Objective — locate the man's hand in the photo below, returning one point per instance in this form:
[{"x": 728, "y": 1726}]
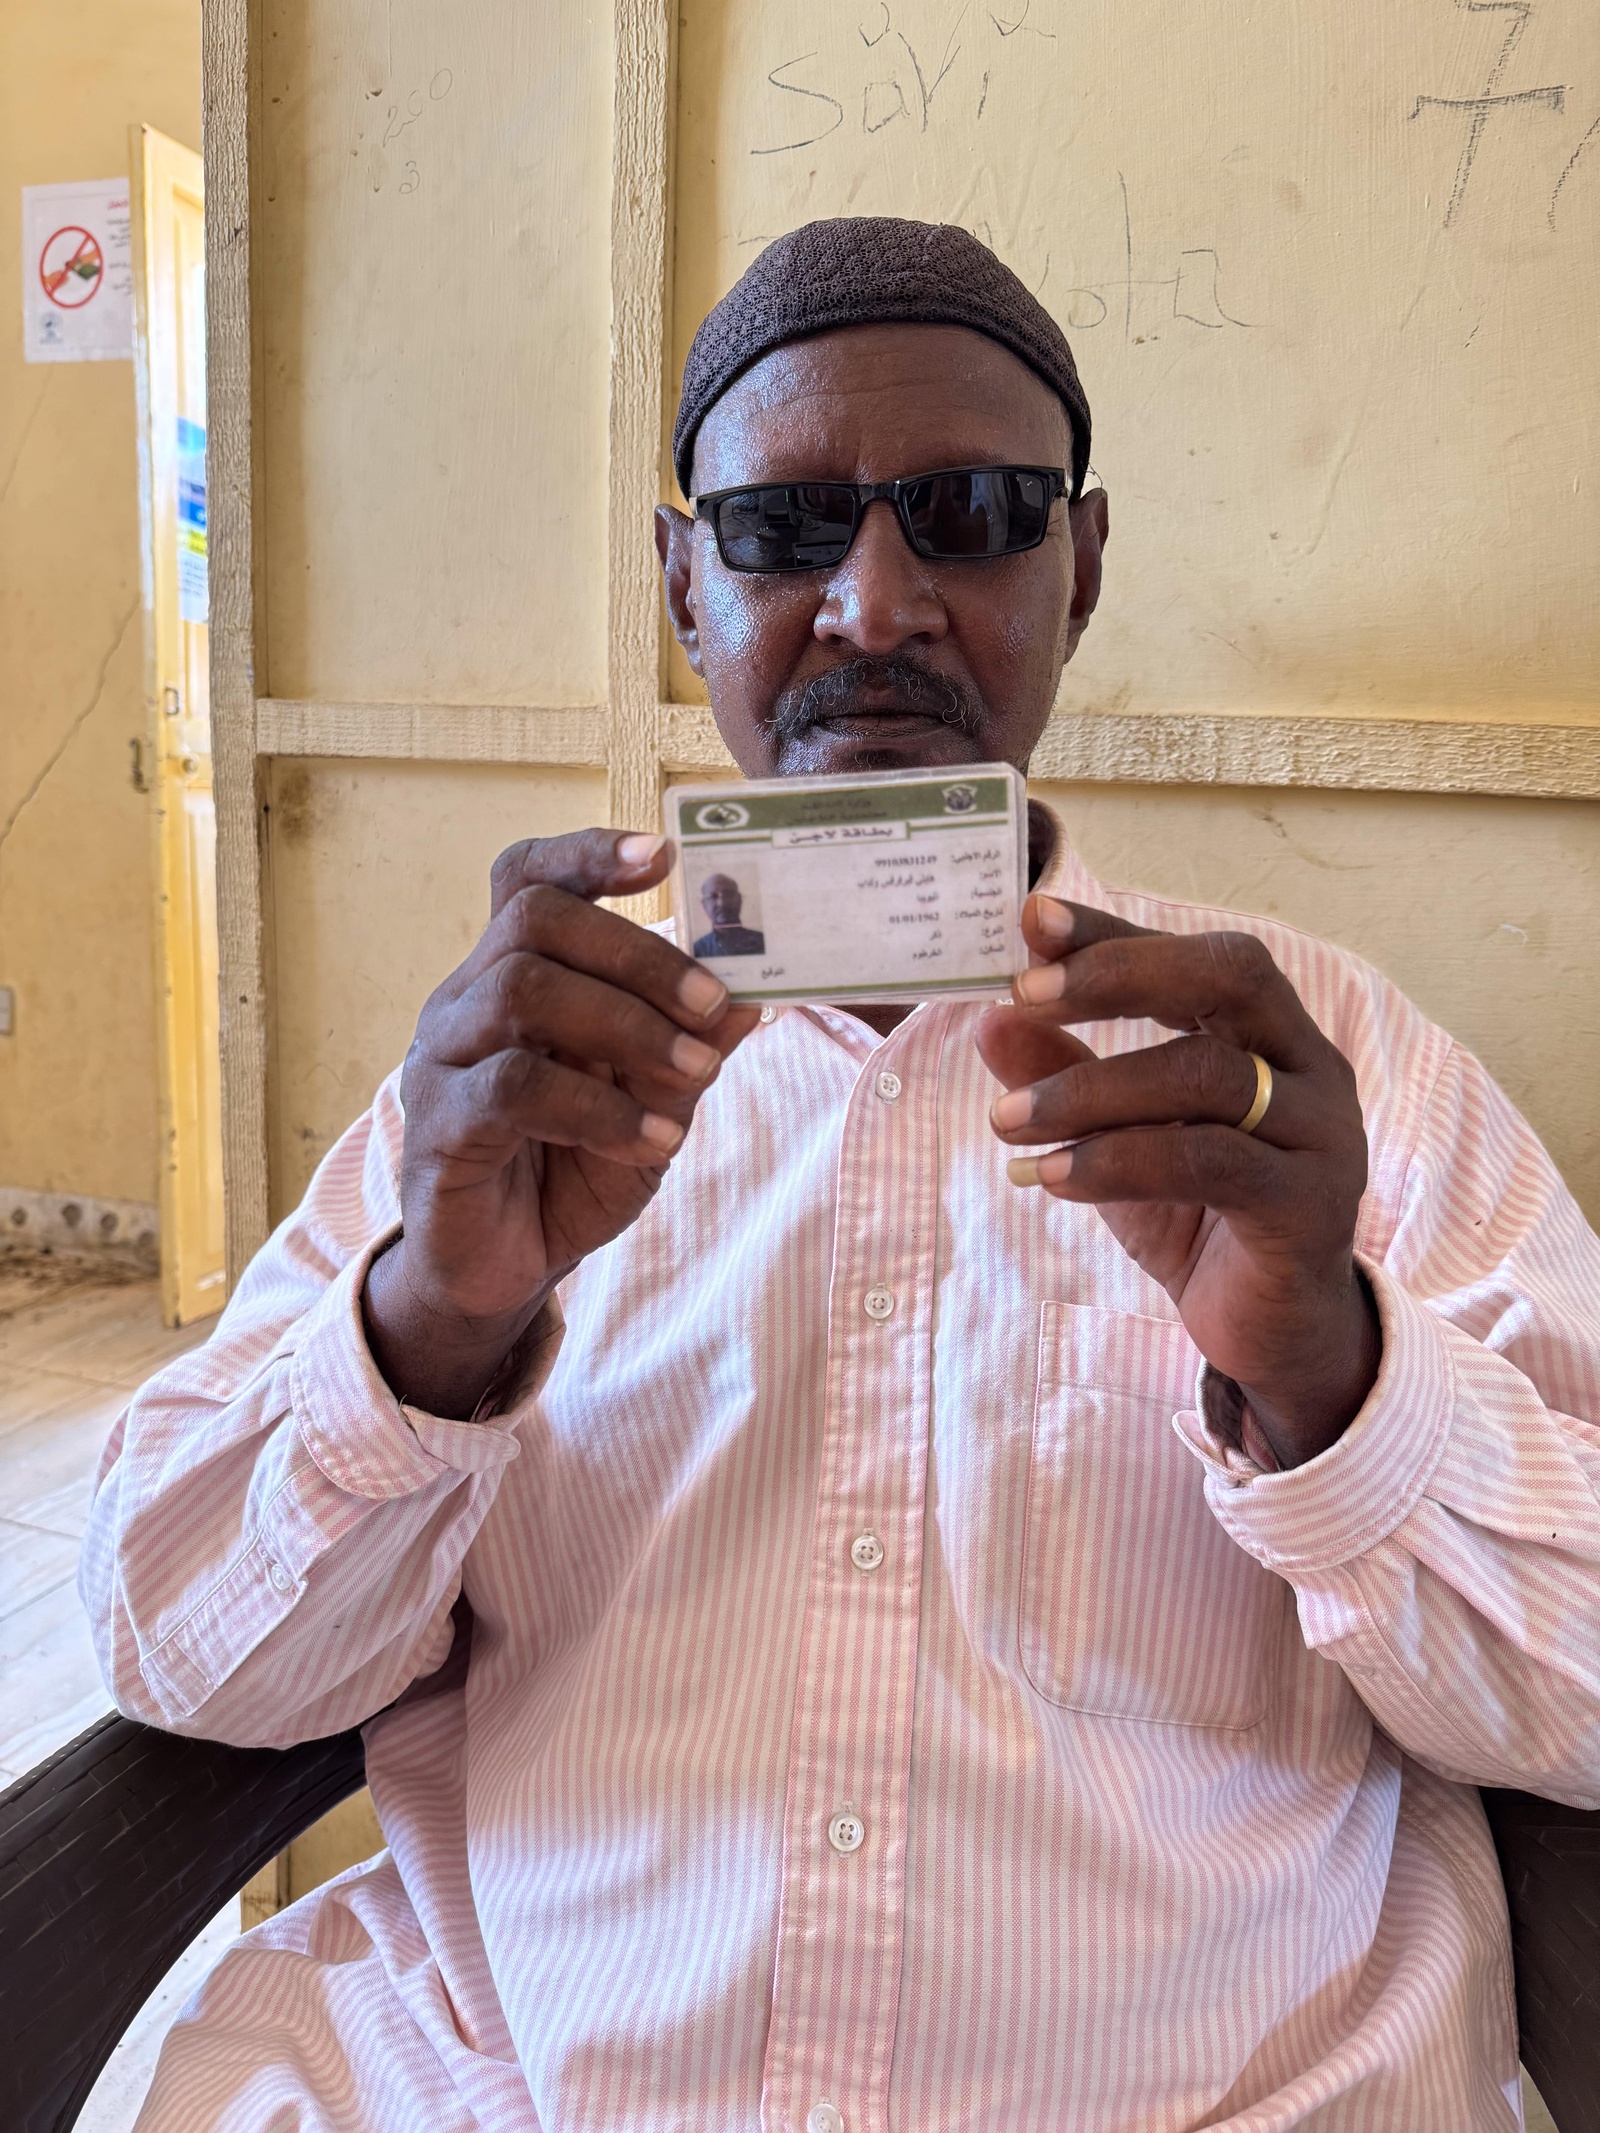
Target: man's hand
[
  {"x": 551, "y": 1079},
  {"x": 1250, "y": 1234}
]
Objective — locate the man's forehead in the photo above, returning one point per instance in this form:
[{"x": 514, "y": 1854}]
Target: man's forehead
[{"x": 838, "y": 402}]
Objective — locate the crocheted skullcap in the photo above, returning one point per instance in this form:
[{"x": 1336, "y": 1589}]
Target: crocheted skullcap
[{"x": 871, "y": 270}]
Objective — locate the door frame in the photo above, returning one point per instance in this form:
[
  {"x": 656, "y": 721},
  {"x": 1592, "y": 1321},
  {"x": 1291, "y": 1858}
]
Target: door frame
[{"x": 193, "y": 1276}]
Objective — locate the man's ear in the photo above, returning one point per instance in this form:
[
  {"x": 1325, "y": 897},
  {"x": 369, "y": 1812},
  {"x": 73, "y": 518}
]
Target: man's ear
[
  {"x": 1090, "y": 518},
  {"x": 675, "y": 546}
]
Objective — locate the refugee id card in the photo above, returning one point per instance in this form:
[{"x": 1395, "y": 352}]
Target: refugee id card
[{"x": 891, "y": 885}]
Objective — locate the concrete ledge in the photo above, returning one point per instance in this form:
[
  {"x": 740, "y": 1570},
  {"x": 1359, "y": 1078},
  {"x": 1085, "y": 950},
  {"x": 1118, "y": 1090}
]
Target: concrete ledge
[{"x": 78, "y": 1222}]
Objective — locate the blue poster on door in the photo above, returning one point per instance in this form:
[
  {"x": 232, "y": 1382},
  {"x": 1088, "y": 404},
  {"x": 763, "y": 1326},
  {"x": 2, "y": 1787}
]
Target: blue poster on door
[{"x": 193, "y": 592}]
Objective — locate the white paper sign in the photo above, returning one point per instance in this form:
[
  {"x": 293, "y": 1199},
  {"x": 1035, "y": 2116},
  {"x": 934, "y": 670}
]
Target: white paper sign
[
  {"x": 77, "y": 272},
  {"x": 894, "y": 885}
]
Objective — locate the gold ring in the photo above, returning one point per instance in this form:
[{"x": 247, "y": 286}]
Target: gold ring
[{"x": 1263, "y": 1096}]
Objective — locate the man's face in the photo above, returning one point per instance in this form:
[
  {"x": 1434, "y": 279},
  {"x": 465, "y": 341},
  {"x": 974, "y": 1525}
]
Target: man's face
[
  {"x": 722, "y": 900},
  {"x": 886, "y": 659}
]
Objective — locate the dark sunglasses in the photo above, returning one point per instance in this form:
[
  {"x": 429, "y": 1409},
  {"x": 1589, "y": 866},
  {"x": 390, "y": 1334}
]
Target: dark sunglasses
[{"x": 952, "y": 516}]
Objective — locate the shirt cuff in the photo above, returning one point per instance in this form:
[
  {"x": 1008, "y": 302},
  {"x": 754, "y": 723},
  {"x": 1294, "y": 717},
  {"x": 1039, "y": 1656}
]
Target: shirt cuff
[
  {"x": 1355, "y": 1494},
  {"x": 360, "y": 1436}
]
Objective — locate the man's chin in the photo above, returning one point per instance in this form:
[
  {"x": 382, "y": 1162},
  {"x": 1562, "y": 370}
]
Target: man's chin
[{"x": 890, "y": 740}]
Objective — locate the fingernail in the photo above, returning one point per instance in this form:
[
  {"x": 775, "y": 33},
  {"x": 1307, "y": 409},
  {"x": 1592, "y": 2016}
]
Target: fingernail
[
  {"x": 1054, "y": 919},
  {"x": 662, "y": 1133},
  {"x": 1047, "y": 982},
  {"x": 701, "y": 993},
  {"x": 637, "y": 851},
  {"x": 1051, "y": 1169},
  {"x": 1015, "y": 1108},
  {"x": 696, "y": 1060}
]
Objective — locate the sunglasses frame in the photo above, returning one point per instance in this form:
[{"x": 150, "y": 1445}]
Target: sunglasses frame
[{"x": 869, "y": 492}]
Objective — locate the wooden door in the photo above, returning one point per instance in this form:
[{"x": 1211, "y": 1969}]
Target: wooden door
[{"x": 168, "y": 197}]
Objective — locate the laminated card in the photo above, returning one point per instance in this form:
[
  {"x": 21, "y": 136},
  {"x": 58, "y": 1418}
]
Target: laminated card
[{"x": 893, "y": 885}]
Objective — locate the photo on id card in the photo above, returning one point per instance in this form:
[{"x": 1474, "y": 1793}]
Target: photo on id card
[{"x": 887, "y": 886}]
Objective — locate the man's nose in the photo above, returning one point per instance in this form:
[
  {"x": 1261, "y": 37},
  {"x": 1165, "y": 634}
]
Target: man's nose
[{"x": 882, "y": 595}]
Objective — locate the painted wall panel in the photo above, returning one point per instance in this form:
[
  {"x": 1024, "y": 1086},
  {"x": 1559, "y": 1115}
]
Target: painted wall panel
[
  {"x": 432, "y": 198},
  {"x": 1338, "y": 336},
  {"x": 379, "y": 885}
]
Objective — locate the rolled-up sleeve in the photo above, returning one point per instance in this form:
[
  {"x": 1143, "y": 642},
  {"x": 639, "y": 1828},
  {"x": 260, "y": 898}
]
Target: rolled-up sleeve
[
  {"x": 276, "y": 1540},
  {"x": 1446, "y": 1550}
]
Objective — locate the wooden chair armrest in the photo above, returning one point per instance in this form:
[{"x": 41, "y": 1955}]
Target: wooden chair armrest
[
  {"x": 1550, "y": 1860},
  {"x": 113, "y": 1855}
]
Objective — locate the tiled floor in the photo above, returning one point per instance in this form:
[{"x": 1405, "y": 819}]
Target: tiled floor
[
  {"x": 73, "y": 1345},
  {"x": 72, "y": 1349}
]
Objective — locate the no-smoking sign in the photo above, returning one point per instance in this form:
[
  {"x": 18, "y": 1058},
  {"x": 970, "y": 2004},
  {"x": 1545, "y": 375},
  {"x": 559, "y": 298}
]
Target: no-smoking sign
[
  {"x": 77, "y": 273},
  {"x": 71, "y": 266}
]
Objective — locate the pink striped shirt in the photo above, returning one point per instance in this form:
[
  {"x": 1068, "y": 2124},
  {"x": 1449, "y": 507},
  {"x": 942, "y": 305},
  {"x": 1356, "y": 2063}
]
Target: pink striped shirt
[{"x": 891, "y": 1702}]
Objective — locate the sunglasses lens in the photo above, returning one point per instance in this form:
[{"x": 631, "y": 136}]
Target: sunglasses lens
[
  {"x": 982, "y": 511},
  {"x": 799, "y": 526}
]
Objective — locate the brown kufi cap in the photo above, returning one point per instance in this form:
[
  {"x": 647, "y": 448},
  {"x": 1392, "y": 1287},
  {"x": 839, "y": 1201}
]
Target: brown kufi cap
[{"x": 871, "y": 270}]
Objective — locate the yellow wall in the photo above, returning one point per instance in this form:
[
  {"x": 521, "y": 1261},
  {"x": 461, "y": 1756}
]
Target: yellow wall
[
  {"x": 433, "y": 306},
  {"x": 431, "y": 232},
  {"x": 78, "y": 1078}
]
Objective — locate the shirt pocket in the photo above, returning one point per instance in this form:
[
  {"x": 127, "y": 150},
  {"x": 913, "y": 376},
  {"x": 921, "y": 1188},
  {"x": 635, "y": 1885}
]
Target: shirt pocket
[{"x": 1135, "y": 1604}]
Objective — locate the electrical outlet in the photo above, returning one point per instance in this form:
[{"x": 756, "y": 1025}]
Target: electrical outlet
[{"x": 8, "y": 1010}]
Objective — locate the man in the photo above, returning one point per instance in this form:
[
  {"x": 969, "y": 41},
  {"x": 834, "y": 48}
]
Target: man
[
  {"x": 724, "y": 906},
  {"x": 944, "y": 1651}
]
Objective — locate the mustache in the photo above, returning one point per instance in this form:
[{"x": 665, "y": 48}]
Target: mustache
[{"x": 916, "y": 689}]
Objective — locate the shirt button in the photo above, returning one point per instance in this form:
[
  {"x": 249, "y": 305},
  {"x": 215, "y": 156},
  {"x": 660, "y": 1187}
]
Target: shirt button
[
  {"x": 878, "y": 1303},
  {"x": 889, "y": 1086},
  {"x": 824, "y": 2118},
  {"x": 278, "y": 1578},
  {"x": 846, "y": 1831},
  {"x": 866, "y": 1551},
  {"x": 768, "y": 1014}
]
